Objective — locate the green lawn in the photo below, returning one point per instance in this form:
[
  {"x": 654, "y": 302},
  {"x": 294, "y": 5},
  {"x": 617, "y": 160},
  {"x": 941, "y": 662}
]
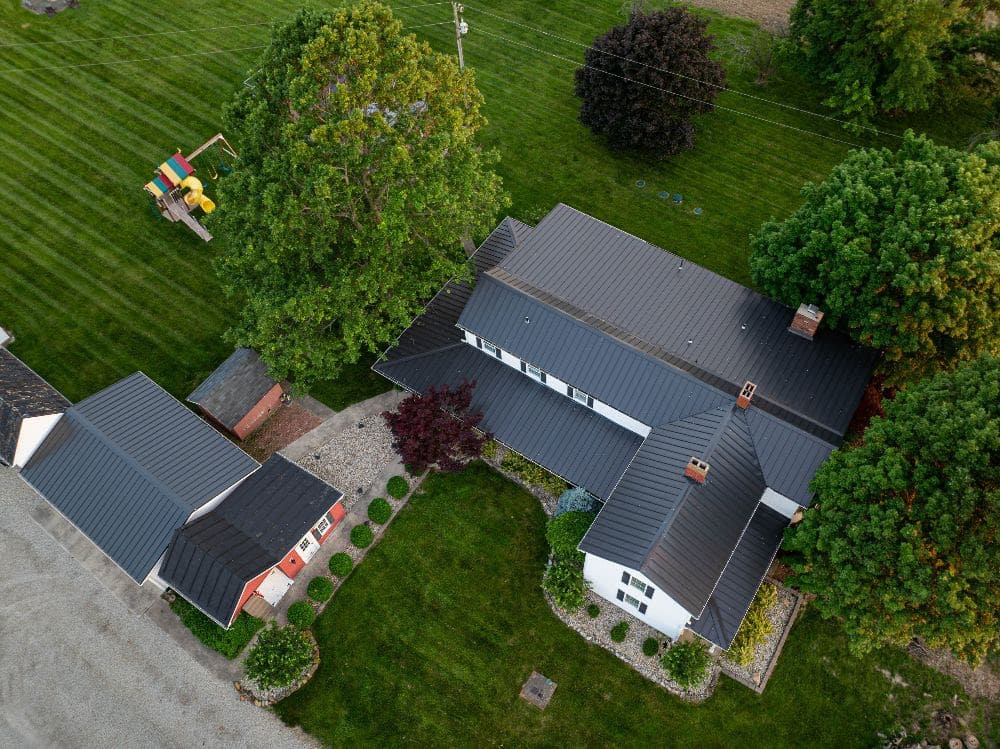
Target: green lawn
[
  {"x": 429, "y": 641},
  {"x": 95, "y": 287}
]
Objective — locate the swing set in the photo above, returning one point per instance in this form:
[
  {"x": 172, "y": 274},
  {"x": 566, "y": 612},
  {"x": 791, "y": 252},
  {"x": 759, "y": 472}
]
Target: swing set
[{"x": 177, "y": 193}]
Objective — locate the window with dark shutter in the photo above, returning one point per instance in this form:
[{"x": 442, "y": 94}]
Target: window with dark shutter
[
  {"x": 524, "y": 366},
  {"x": 569, "y": 390},
  {"x": 649, "y": 591},
  {"x": 543, "y": 377},
  {"x": 642, "y": 608},
  {"x": 621, "y": 595},
  {"x": 497, "y": 352},
  {"x": 316, "y": 534},
  {"x": 590, "y": 402},
  {"x": 479, "y": 342},
  {"x": 626, "y": 577}
]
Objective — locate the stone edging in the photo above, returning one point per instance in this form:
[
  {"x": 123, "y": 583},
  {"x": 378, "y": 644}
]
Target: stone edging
[{"x": 250, "y": 692}]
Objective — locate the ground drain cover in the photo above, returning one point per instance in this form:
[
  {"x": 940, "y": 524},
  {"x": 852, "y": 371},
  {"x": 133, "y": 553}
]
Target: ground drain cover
[{"x": 538, "y": 690}]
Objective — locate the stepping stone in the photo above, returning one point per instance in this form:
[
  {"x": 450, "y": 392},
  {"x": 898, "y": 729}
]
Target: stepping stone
[{"x": 538, "y": 690}]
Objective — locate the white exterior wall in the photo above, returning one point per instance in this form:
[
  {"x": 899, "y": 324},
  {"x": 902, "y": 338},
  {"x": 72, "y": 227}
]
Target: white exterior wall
[
  {"x": 612, "y": 414},
  {"x": 779, "y": 502},
  {"x": 33, "y": 431},
  {"x": 663, "y": 613}
]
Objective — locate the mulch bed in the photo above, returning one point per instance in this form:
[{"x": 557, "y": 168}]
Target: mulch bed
[{"x": 289, "y": 422}]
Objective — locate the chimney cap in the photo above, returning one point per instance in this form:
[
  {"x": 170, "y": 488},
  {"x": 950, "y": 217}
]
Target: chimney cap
[
  {"x": 806, "y": 321},
  {"x": 696, "y": 470}
]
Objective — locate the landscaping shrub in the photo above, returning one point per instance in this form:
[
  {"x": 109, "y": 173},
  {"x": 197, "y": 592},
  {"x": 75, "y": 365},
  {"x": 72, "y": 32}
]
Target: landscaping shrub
[
  {"x": 362, "y": 536},
  {"x": 755, "y": 627},
  {"x": 301, "y": 614},
  {"x": 397, "y": 487},
  {"x": 379, "y": 511},
  {"x": 565, "y": 532},
  {"x": 230, "y": 642},
  {"x": 650, "y": 646},
  {"x": 533, "y": 474},
  {"x": 564, "y": 582},
  {"x": 687, "y": 663},
  {"x": 436, "y": 428},
  {"x": 593, "y": 611},
  {"x": 619, "y": 631},
  {"x": 320, "y": 589},
  {"x": 575, "y": 500},
  {"x": 341, "y": 564},
  {"x": 490, "y": 449},
  {"x": 280, "y": 656}
]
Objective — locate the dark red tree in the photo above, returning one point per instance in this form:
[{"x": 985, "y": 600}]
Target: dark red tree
[
  {"x": 437, "y": 427},
  {"x": 644, "y": 81}
]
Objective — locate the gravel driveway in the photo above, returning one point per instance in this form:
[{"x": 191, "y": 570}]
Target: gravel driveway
[{"x": 78, "y": 670}]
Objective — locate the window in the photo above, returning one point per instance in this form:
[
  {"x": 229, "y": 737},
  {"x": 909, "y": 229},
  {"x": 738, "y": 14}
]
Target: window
[
  {"x": 304, "y": 544},
  {"x": 579, "y": 396},
  {"x": 634, "y": 602},
  {"x": 638, "y": 585}
]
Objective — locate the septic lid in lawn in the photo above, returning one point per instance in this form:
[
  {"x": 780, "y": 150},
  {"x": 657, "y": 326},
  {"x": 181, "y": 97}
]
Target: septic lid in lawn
[{"x": 538, "y": 690}]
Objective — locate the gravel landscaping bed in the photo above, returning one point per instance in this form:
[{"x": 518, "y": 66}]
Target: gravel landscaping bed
[
  {"x": 353, "y": 458},
  {"x": 598, "y": 631},
  {"x": 549, "y": 502},
  {"x": 781, "y": 616}
]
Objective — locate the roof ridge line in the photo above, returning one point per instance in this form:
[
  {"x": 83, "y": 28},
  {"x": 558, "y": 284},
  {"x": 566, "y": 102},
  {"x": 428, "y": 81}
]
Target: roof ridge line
[{"x": 417, "y": 355}]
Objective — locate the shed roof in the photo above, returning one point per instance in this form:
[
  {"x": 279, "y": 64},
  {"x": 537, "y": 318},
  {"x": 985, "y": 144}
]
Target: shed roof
[
  {"x": 212, "y": 558},
  {"x": 129, "y": 465},
  {"x": 234, "y": 388},
  {"x": 23, "y": 395}
]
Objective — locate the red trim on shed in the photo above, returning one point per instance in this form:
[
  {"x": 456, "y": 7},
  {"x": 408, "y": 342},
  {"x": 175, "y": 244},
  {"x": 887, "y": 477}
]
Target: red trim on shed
[
  {"x": 337, "y": 513},
  {"x": 292, "y": 564}
]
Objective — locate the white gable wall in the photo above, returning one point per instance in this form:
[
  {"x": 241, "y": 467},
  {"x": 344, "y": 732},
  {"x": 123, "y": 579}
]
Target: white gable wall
[
  {"x": 33, "y": 431},
  {"x": 779, "y": 502},
  {"x": 663, "y": 613}
]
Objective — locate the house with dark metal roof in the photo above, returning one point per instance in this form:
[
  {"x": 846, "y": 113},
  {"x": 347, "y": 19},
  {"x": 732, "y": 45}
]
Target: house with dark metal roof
[
  {"x": 246, "y": 551},
  {"x": 239, "y": 395},
  {"x": 695, "y": 408},
  {"x": 29, "y": 409}
]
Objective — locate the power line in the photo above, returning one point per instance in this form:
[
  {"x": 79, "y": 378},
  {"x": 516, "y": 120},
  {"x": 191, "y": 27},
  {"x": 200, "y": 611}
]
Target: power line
[
  {"x": 682, "y": 75},
  {"x": 674, "y": 93}
]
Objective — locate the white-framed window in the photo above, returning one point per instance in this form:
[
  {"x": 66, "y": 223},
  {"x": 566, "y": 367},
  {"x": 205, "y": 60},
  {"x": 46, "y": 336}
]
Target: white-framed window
[
  {"x": 638, "y": 585},
  {"x": 322, "y": 525},
  {"x": 534, "y": 371},
  {"x": 488, "y": 347},
  {"x": 304, "y": 544},
  {"x": 579, "y": 396},
  {"x": 631, "y": 601}
]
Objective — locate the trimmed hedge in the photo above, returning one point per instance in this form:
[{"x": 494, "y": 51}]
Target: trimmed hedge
[
  {"x": 619, "y": 631},
  {"x": 320, "y": 589},
  {"x": 593, "y": 611},
  {"x": 341, "y": 564},
  {"x": 379, "y": 511},
  {"x": 279, "y": 657},
  {"x": 650, "y": 646},
  {"x": 687, "y": 663},
  {"x": 301, "y": 614},
  {"x": 565, "y": 532},
  {"x": 533, "y": 474},
  {"x": 564, "y": 582},
  {"x": 230, "y": 642},
  {"x": 362, "y": 536},
  {"x": 397, "y": 487}
]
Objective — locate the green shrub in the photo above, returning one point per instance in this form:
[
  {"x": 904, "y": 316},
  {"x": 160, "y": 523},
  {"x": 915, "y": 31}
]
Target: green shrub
[
  {"x": 341, "y": 564},
  {"x": 575, "y": 500},
  {"x": 230, "y": 642},
  {"x": 755, "y": 627},
  {"x": 687, "y": 663},
  {"x": 619, "y": 631},
  {"x": 279, "y": 657},
  {"x": 490, "y": 449},
  {"x": 362, "y": 536},
  {"x": 320, "y": 589},
  {"x": 397, "y": 487},
  {"x": 379, "y": 511},
  {"x": 301, "y": 614},
  {"x": 650, "y": 646},
  {"x": 593, "y": 611},
  {"x": 533, "y": 474},
  {"x": 564, "y": 582},
  {"x": 565, "y": 532}
]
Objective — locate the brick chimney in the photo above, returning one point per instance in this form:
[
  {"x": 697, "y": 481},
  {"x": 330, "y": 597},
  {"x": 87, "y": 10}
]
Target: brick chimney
[
  {"x": 806, "y": 321},
  {"x": 746, "y": 394},
  {"x": 696, "y": 470}
]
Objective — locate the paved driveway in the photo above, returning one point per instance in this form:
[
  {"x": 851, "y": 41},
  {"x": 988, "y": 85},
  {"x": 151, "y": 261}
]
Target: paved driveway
[{"x": 77, "y": 669}]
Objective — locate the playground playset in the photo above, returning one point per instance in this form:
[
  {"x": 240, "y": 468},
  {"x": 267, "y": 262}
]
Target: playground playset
[{"x": 177, "y": 193}]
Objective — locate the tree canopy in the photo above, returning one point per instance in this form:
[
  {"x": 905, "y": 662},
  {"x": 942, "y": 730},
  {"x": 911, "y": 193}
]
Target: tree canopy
[
  {"x": 894, "y": 54},
  {"x": 902, "y": 540},
  {"x": 642, "y": 83},
  {"x": 901, "y": 248},
  {"x": 359, "y": 176}
]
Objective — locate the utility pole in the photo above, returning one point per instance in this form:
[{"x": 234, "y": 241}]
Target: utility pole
[{"x": 461, "y": 29}]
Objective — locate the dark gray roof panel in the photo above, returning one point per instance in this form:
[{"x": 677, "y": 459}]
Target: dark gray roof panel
[
  {"x": 234, "y": 388},
  {"x": 663, "y": 300},
  {"x": 613, "y": 372},
  {"x": 23, "y": 395},
  {"x": 213, "y": 557},
  {"x": 545, "y": 426},
  {"x": 129, "y": 465},
  {"x": 436, "y": 326},
  {"x": 788, "y": 456},
  {"x": 738, "y": 585}
]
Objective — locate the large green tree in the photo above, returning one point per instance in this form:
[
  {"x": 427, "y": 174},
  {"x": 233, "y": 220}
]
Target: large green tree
[
  {"x": 902, "y": 540},
  {"x": 901, "y": 248},
  {"x": 359, "y": 176},
  {"x": 883, "y": 55}
]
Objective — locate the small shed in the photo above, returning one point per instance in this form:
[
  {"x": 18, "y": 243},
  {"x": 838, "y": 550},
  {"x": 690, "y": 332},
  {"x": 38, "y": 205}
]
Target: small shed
[{"x": 239, "y": 395}]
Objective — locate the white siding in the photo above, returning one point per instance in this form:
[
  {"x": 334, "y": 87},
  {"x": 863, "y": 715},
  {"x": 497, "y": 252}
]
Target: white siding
[
  {"x": 33, "y": 431},
  {"x": 663, "y": 613},
  {"x": 612, "y": 414},
  {"x": 779, "y": 502}
]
